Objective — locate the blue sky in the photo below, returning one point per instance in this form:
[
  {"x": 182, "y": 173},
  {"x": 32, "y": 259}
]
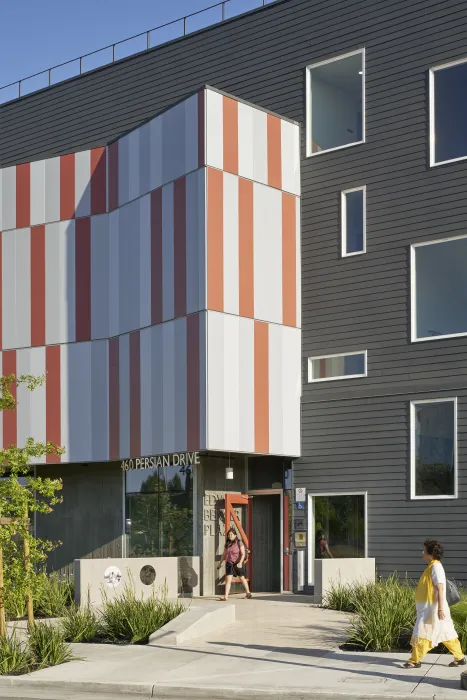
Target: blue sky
[{"x": 37, "y": 34}]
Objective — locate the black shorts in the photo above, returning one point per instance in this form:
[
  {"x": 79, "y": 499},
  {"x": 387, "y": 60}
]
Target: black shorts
[{"x": 233, "y": 570}]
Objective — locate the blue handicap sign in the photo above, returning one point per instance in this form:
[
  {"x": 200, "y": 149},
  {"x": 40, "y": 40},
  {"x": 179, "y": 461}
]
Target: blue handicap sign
[{"x": 300, "y": 506}]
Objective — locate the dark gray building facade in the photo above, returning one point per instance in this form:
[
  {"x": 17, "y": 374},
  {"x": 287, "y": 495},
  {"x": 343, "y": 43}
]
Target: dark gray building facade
[{"x": 384, "y": 317}]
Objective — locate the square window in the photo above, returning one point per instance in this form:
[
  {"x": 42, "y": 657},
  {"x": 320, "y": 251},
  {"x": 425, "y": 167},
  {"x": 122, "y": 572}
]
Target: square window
[
  {"x": 347, "y": 366},
  {"x": 448, "y": 113},
  {"x": 353, "y": 204},
  {"x": 439, "y": 289},
  {"x": 434, "y": 449},
  {"x": 335, "y": 103}
]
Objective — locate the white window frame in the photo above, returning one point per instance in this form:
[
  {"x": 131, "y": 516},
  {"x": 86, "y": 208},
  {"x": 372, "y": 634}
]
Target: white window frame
[
  {"x": 362, "y": 188},
  {"x": 413, "y": 496},
  {"x": 413, "y": 292},
  {"x": 309, "y": 139},
  {"x": 311, "y": 526},
  {"x": 435, "y": 69},
  {"x": 312, "y": 380}
]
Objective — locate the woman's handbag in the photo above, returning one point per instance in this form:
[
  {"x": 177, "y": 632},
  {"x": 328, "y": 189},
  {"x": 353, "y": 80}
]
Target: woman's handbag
[{"x": 452, "y": 593}]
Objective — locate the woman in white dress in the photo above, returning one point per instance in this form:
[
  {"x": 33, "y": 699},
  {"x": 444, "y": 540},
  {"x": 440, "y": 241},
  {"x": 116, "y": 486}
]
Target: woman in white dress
[{"x": 434, "y": 624}]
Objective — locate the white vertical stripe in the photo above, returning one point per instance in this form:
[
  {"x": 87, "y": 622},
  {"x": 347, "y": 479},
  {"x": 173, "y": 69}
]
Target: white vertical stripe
[
  {"x": 23, "y": 287},
  {"x": 157, "y": 388},
  {"x": 195, "y": 235},
  {"x": 100, "y": 279},
  {"x": 276, "y": 398},
  {"x": 214, "y": 130},
  {"x": 83, "y": 183},
  {"x": 146, "y": 392},
  {"x": 168, "y": 387},
  {"x": 9, "y": 198},
  {"x": 114, "y": 226},
  {"x": 38, "y": 192},
  {"x": 291, "y": 389},
  {"x": 216, "y": 380},
  {"x": 52, "y": 190},
  {"x": 180, "y": 418},
  {"x": 123, "y": 170},
  {"x": 231, "y": 383},
  {"x": 191, "y": 133},
  {"x": 23, "y": 396},
  {"x": 231, "y": 251},
  {"x": 9, "y": 289},
  {"x": 99, "y": 400},
  {"x": 268, "y": 253},
  {"x": 298, "y": 266},
  {"x": 155, "y": 150},
  {"x": 247, "y": 385},
  {"x": 37, "y": 368},
  {"x": 68, "y": 281},
  {"x": 245, "y": 141},
  {"x": 145, "y": 261},
  {"x": 124, "y": 374},
  {"x": 65, "y": 370},
  {"x": 290, "y": 157},
  {"x": 60, "y": 293},
  {"x": 203, "y": 405},
  {"x": 260, "y": 146},
  {"x": 80, "y": 402},
  {"x": 133, "y": 164},
  {"x": 168, "y": 252}
]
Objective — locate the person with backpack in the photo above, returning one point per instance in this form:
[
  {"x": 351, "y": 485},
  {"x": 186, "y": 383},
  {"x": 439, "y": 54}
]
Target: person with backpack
[
  {"x": 434, "y": 624},
  {"x": 234, "y": 557}
]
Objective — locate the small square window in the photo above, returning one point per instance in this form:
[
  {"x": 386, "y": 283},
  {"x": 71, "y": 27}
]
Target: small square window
[
  {"x": 434, "y": 449},
  {"x": 336, "y": 103},
  {"x": 353, "y": 205},
  {"x": 448, "y": 113},
  {"x": 347, "y": 366}
]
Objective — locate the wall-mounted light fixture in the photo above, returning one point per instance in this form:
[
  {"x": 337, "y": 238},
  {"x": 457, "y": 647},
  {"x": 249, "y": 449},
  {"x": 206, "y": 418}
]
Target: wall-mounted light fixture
[{"x": 229, "y": 471}]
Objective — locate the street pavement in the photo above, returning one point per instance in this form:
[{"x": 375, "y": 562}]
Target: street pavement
[{"x": 280, "y": 647}]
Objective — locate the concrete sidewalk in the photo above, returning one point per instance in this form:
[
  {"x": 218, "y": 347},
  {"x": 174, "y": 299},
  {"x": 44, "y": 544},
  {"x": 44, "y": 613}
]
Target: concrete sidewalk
[{"x": 279, "y": 648}]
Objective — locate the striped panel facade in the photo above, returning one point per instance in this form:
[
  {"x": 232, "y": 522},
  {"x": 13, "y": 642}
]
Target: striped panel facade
[{"x": 135, "y": 276}]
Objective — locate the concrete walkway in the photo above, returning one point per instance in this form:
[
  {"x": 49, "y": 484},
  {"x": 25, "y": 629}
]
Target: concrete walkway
[{"x": 280, "y": 647}]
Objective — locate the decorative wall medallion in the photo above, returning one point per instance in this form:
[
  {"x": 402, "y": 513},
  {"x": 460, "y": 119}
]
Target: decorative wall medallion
[
  {"x": 112, "y": 576},
  {"x": 147, "y": 575}
]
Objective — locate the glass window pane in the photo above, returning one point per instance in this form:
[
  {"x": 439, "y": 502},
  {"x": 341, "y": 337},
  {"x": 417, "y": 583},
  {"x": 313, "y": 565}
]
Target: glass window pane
[
  {"x": 143, "y": 527},
  {"x": 336, "y": 103},
  {"x": 176, "y": 478},
  {"x": 450, "y": 108},
  {"x": 176, "y": 523},
  {"x": 339, "y": 526},
  {"x": 336, "y": 367},
  {"x": 354, "y": 222},
  {"x": 434, "y": 449},
  {"x": 142, "y": 480},
  {"x": 441, "y": 288}
]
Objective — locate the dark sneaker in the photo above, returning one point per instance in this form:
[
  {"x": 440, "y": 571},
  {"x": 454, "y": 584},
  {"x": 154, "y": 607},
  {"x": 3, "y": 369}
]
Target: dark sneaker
[{"x": 462, "y": 662}]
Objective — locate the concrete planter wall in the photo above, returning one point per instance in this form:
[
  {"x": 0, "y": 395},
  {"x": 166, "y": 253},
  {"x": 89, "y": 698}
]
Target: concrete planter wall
[
  {"x": 344, "y": 571},
  {"x": 180, "y": 575}
]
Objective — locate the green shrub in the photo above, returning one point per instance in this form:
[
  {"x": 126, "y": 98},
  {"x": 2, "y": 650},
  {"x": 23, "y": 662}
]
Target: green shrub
[
  {"x": 54, "y": 597},
  {"x": 129, "y": 619},
  {"x": 81, "y": 624},
  {"x": 15, "y": 604},
  {"x": 48, "y": 646},
  {"x": 15, "y": 657},
  {"x": 344, "y": 596}
]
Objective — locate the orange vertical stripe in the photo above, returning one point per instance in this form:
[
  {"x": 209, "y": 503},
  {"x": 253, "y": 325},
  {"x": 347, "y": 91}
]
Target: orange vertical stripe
[
  {"x": 230, "y": 128},
  {"x": 23, "y": 195},
  {"x": 289, "y": 260},
  {"x": 274, "y": 152},
  {"x": 215, "y": 240},
  {"x": 53, "y": 422},
  {"x": 246, "y": 250},
  {"x": 38, "y": 285},
  {"x": 10, "y": 431},
  {"x": 67, "y": 187},
  {"x": 98, "y": 181},
  {"x": 261, "y": 386}
]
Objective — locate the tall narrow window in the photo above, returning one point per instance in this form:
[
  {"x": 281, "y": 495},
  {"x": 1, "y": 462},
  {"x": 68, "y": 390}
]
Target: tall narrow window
[
  {"x": 335, "y": 94},
  {"x": 448, "y": 112},
  {"x": 353, "y": 205},
  {"x": 434, "y": 449}
]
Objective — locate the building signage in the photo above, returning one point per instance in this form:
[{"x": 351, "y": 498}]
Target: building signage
[
  {"x": 300, "y": 539},
  {"x": 300, "y": 495},
  {"x": 177, "y": 459}
]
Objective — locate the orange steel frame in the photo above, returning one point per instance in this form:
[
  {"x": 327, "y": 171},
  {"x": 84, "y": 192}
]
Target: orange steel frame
[{"x": 238, "y": 499}]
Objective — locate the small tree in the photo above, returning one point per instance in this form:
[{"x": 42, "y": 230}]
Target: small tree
[{"x": 22, "y": 493}]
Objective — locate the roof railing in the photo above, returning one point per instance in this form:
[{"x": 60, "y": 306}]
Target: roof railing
[{"x": 169, "y": 31}]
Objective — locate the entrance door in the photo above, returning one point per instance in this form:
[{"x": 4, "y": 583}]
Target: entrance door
[{"x": 266, "y": 543}]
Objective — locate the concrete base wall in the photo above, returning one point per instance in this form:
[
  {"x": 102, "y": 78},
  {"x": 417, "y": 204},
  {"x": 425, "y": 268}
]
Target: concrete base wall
[
  {"x": 344, "y": 571},
  {"x": 94, "y": 577}
]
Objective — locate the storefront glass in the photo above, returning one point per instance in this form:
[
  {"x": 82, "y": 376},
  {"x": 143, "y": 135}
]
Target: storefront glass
[
  {"x": 339, "y": 526},
  {"x": 159, "y": 512}
]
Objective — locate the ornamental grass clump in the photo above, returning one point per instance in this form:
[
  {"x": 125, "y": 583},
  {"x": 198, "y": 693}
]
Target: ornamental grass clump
[
  {"x": 131, "y": 619},
  {"x": 81, "y": 625},
  {"x": 15, "y": 656},
  {"x": 47, "y": 646},
  {"x": 55, "y": 596}
]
